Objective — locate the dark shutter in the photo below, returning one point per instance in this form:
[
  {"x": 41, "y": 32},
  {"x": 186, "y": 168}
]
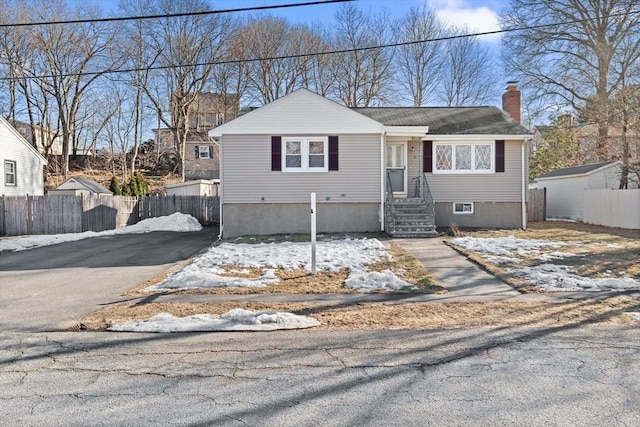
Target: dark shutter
[
  {"x": 333, "y": 153},
  {"x": 500, "y": 156},
  {"x": 276, "y": 153},
  {"x": 197, "y": 152},
  {"x": 211, "y": 151},
  {"x": 427, "y": 156}
]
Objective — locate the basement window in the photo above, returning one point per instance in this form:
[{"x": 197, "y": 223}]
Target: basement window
[{"x": 463, "y": 208}]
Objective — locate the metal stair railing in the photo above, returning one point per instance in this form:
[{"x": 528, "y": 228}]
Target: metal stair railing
[{"x": 391, "y": 218}]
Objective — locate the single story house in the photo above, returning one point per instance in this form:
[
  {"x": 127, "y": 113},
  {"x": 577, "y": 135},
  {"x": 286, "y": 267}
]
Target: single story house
[
  {"x": 400, "y": 170},
  {"x": 565, "y": 187},
  {"x": 21, "y": 165},
  {"x": 80, "y": 186},
  {"x": 198, "y": 187}
]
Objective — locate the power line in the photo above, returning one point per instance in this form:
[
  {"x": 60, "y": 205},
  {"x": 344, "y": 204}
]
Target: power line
[
  {"x": 172, "y": 15},
  {"x": 320, "y": 53}
]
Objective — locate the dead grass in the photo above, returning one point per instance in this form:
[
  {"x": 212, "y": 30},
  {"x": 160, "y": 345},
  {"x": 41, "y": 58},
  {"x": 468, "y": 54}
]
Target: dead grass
[
  {"x": 401, "y": 316},
  {"x": 604, "y": 252}
]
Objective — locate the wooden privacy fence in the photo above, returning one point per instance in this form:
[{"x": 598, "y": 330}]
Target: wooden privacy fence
[
  {"x": 20, "y": 215},
  {"x": 537, "y": 205}
]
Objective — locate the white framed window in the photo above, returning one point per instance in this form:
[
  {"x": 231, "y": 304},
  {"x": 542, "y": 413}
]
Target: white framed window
[
  {"x": 463, "y": 208},
  {"x": 10, "y": 173},
  {"x": 468, "y": 157},
  {"x": 203, "y": 152},
  {"x": 305, "y": 154}
]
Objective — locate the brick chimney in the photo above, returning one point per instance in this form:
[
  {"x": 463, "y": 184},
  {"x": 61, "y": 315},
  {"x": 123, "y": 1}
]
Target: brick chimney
[{"x": 511, "y": 101}]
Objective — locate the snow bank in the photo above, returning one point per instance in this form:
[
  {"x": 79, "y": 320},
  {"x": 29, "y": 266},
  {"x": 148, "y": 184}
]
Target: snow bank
[
  {"x": 176, "y": 222},
  {"x": 376, "y": 281},
  {"x": 233, "y": 320}
]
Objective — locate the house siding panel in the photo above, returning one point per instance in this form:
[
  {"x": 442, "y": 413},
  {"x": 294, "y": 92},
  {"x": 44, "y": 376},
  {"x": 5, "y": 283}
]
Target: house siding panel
[
  {"x": 248, "y": 178},
  {"x": 494, "y": 187},
  {"x": 29, "y": 165}
]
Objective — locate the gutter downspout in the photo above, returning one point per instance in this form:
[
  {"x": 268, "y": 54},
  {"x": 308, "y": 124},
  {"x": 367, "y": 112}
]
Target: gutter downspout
[
  {"x": 382, "y": 183},
  {"x": 524, "y": 190}
]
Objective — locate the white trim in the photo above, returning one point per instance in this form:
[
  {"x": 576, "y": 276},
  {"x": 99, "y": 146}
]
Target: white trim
[
  {"x": 463, "y": 212},
  {"x": 419, "y": 131},
  {"x": 383, "y": 178},
  {"x": 475, "y": 137},
  {"x": 524, "y": 190},
  {"x": 22, "y": 139},
  {"x": 207, "y": 152},
  {"x": 15, "y": 173}
]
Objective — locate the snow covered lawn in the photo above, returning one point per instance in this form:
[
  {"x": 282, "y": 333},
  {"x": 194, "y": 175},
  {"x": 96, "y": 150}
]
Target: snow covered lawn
[
  {"x": 242, "y": 265},
  {"x": 584, "y": 262}
]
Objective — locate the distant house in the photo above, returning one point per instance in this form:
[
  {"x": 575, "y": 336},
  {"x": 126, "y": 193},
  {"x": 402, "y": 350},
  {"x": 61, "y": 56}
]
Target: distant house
[
  {"x": 80, "y": 186},
  {"x": 21, "y": 165},
  {"x": 201, "y": 153},
  {"x": 47, "y": 141},
  {"x": 399, "y": 170},
  {"x": 565, "y": 187}
]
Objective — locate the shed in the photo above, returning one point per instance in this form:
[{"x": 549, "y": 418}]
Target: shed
[
  {"x": 565, "y": 187},
  {"x": 198, "y": 187},
  {"x": 79, "y": 186}
]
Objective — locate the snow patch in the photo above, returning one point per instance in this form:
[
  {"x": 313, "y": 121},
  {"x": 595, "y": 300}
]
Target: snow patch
[
  {"x": 233, "y": 320},
  {"x": 505, "y": 245},
  {"x": 376, "y": 281},
  {"x": 562, "y": 278}
]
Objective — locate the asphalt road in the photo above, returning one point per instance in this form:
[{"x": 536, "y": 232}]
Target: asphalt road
[
  {"x": 52, "y": 287},
  {"x": 566, "y": 376}
]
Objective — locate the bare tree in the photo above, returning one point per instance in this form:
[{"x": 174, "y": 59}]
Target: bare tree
[
  {"x": 273, "y": 38},
  {"x": 361, "y": 77},
  {"x": 187, "y": 49},
  {"x": 419, "y": 65},
  {"x": 573, "y": 49},
  {"x": 65, "y": 55},
  {"x": 466, "y": 79}
]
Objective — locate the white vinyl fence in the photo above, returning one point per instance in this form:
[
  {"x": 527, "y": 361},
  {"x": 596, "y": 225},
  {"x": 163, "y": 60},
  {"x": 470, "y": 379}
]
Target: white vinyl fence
[{"x": 613, "y": 208}]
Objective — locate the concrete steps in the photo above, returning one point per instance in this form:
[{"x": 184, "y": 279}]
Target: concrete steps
[{"x": 412, "y": 218}]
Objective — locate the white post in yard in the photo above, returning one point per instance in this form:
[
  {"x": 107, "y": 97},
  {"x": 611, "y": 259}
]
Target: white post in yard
[{"x": 313, "y": 233}]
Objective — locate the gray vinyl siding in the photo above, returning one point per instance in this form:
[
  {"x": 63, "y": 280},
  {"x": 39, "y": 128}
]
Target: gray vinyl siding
[
  {"x": 495, "y": 187},
  {"x": 247, "y": 176}
]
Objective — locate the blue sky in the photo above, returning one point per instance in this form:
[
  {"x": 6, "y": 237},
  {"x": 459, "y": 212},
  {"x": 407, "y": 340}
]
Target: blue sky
[{"x": 480, "y": 15}]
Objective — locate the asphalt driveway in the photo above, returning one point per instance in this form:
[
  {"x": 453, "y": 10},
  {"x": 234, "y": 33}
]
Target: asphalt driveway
[{"x": 52, "y": 287}]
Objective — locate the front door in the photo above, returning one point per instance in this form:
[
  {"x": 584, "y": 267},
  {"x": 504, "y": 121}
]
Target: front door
[{"x": 397, "y": 167}]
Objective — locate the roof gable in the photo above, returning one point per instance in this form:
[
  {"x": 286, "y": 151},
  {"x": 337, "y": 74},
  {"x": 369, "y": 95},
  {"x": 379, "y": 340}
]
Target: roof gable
[
  {"x": 448, "y": 120},
  {"x": 578, "y": 170},
  {"x": 300, "y": 112},
  {"x": 83, "y": 184},
  {"x": 21, "y": 139}
]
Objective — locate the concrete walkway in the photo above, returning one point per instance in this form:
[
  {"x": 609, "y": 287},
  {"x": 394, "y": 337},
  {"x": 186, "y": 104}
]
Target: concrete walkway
[{"x": 464, "y": 281}]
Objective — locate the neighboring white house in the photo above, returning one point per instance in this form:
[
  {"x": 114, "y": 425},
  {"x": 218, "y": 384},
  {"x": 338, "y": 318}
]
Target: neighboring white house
[
  {"x": 21, "y": 165},
  {"x": 199, "y": 187},
  {"x": 369, "y": 168},
  {"x": 565, "y": 187},
  {"x": 79, "y": 186}
]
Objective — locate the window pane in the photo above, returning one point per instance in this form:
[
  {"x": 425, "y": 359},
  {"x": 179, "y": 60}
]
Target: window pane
[
  {"x": 293, "y": 161},
  {"x": 316, "y": 161},
  {"x": 443, "y": 157},
  {"x": 293, "y": 147},
  {"x": 483, "y": 157},
  {"x": 463, "y": 157},
  {"x": 316, "y": 147}
]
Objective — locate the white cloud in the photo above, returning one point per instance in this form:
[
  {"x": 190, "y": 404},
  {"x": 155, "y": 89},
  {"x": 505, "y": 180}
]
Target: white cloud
[{"x": 460, "y": 14}]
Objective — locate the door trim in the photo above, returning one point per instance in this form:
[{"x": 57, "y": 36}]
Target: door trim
[{"x": 405, "y": 167}]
